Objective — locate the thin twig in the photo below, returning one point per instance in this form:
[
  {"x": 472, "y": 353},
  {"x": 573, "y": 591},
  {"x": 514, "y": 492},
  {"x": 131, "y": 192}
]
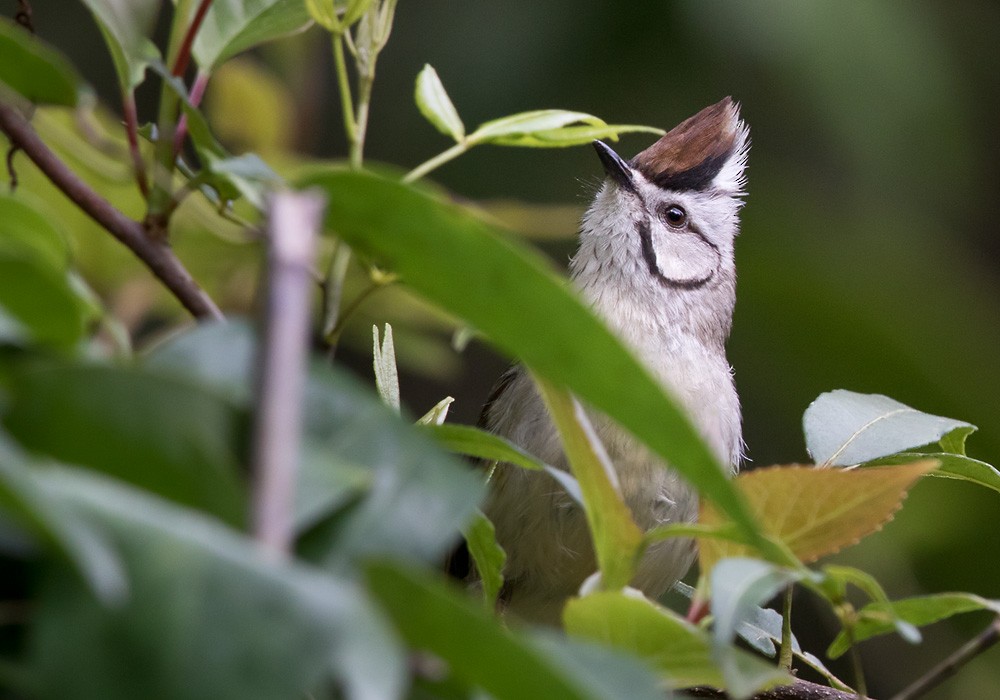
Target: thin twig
[
  {"x": 293, "y": 227},
  {"x": 951, "y": 665},
  {"x": 11, "y": 170},
  {"x": 157, "y": 256},
  {"x": 184, "y": 54},
  {"x": 198, "y": 88},
  {"x": 131, "y": 118}
]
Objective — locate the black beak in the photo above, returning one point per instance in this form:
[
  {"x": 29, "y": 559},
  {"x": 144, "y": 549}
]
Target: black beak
[{"x": 617, "y": 169}]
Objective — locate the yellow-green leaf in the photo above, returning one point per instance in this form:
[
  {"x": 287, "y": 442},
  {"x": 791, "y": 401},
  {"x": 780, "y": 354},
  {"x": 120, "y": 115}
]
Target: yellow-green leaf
[
  {"x": 815, "y": 511},
  {"x": 433, "y": 102},
  {"x": 616, "y": 536}
]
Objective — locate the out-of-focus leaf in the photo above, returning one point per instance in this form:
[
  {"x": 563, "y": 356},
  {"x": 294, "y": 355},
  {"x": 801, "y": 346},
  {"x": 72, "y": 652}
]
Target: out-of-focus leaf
[
  {"x": 843, "y": 427},
  {"x": 337, "y": 15},
  {"x": 567, "y": 136},
  {"x": 837, "y": 578},
  {"x": 386, "y": 376},
  {"x": 952, "y": 466},
  {"x": 24, "y": 229},
  {"x": 126, "y": 26},
  {"x": 477, "y": 649},
  {"x": 880, "y": 618},
  {"x": 167, "y": 436},
  {"x": 233, "y": 26},
  {"x": 615, "y": 535},
  {"x": 434, "y": 103},
  {"x": 36, "y": 71},
  {"x": 453, "y": 259},
  {"x": 488, "y": 555},
  {"x": 815, "y": 511},
  {"x": 27, "y": 502},
  {"x": 547, "y": 128},
  {"x": 42, "y": 300},
  {"x": 209, "y": 615}
]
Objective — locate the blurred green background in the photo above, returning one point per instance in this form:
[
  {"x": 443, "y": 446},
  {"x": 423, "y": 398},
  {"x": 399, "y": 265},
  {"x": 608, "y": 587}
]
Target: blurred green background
[{"x": 868, "y": 258}]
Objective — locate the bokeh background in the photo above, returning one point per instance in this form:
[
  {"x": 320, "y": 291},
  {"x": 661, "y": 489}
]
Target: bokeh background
[{"x": 868, "y": 258}]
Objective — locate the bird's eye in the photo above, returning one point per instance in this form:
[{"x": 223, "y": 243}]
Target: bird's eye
[{"x": 675, "y": 216}]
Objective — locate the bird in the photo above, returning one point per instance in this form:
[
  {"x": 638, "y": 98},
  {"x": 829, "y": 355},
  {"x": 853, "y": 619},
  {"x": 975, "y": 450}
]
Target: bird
[{"x": 656, "y": 262}]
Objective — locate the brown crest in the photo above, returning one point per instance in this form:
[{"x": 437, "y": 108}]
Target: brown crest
[{"x": 690, "y": 155}]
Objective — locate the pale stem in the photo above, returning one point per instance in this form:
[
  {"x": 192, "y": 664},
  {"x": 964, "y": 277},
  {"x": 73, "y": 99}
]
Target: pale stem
[{"x": 436, "y": 162}]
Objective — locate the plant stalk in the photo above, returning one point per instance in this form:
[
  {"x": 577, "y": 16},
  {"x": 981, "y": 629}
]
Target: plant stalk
[
  {"x": 785, "y": 659},
  {"x": 436, "y": 162}
]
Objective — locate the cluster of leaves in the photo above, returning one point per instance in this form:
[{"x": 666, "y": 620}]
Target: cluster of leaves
[{"x": 124, "y": 486}]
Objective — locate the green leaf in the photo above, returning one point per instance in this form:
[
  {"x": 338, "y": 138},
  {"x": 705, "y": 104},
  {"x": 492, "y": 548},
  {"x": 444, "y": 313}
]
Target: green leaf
[
  {"x": 477, "y": 649},
  {"x": 881, "y": 618},
  {"x": 488, "y": 555},
  {"x": 234, "y": 26},
  {"x": 126, "y": 26},
  {"x": 954, "y": 442},
  {"x": 25, "y": 229},
  {"x": 42, "y": 299},
  {"x": 161, "y": 434},
  {"x": 456, "y": 260},
  {"x": 386, "y": 376},
  {"x": 844, "y": 427},
  {"x": 437, "y": 414},
  {"x": 525, "y": 123},
  {"x": 567, "y": 136},
  {"x": 474, "y": 442},
  {"x": 952, "y": 466},
  {"x": 836, "y": 581},
  {"x": 210, "y": 614},
  {"x": 434, "y": 103},
  {"x": 616, "y": 537},
  {"x": 36, "y": 71},
  {"x": 24, "y": 499}
]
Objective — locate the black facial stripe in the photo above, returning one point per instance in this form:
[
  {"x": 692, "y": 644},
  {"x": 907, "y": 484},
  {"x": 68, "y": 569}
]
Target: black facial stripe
[
  {"x": 697, "y": 178},
  {"x": 649, "y": 255}
]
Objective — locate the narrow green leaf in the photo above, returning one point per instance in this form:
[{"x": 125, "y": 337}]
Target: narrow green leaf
[
  {"x": 234, "y": 26},
  {"x": 616, "y": 537},
  {"x": 438, "y": 413},
  {"x": 324, "y": 14},
  {"x": 209, "y": 614},
  {"x": 36, "y": 71},
  {"x": 844, "y": 575},
  {"x": 488, "y": 556},
  {"x": 953, "y": 466},
  {"x": 954, "y": 442},
  {"x": 474, "y": 442},
  {"x": 454, "y": 259},
  {"x": 160, "y": 434},
  {"x": 126, "y": 26},
  {"x": 386, "y": 376},
  {"x": 844, "y": 427},
  {"x": 433, "y": 102},
  {"x": 528, "y": 123},
  {"x": 880, "y": 618},
  {"x": 566, "y": 136},
  {"x": 477, "y": 649}
]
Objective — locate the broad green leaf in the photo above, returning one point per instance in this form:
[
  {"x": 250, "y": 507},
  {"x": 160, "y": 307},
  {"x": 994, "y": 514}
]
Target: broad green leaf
[
  {"x": 42, "y": 299},
  {"x": 34, "y": 70},
  {"x": 126, "y": 26},
  {"x": 952, "y": 466},
  {"x": 23, "y": 499},
  {"x": 815, "y": 511},
  {"x": 234, "y": 26},
  {"x": 880, "y": 618},
  {"x": 25, "y": 229},
  {"x": 477, "y": 649},
  {"x": 474, "y": 442},
  {"x": 616, "y": 537},
  {"x": 566, "y": 136},
  {"x": 407, "y": 498},
  {"x": 209, "y": 614},
  {"x": 488, "y": 555},
  {"x": 679, "y": 651},
  {"x": 525, "y": 123},
  {"x": 164, "y": 435},
  {"x": 434, "y": 103},
  {"x": 386, "y": 376},
  {"x": 454, "y": 259},
  {"x": 844, "y": 427}
]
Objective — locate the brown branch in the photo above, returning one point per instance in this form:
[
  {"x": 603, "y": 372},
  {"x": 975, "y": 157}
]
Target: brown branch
[
  {"x": 950, "y": 666},
  {"x": 23, "y": 16},
  {"x": 293, "y": 227},
  {"x": 799, "y": 690},
  {"x": 157, "y": 256}
]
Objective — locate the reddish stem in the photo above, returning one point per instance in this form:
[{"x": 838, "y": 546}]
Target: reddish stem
[
  {"x": 132, "y": 130},
  {"x": 184, "y": 53},
  {"x": 197, "y": 93}
]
